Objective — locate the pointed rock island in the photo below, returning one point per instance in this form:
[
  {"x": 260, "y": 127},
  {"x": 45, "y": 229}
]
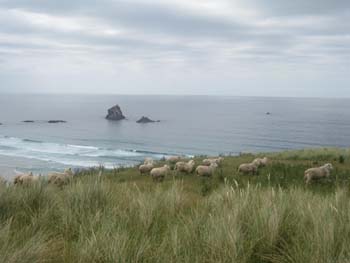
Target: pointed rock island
[{"x": 115, "y": 114}]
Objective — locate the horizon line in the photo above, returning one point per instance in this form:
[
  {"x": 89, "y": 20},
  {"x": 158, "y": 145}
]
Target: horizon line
[{"x": 170, "y": 95}]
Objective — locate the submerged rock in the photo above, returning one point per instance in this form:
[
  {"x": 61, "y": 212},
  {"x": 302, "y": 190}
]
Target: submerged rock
[
  {"x": 146, "y": 120},
  {"x": 56, "y": 121},
  {"x": 115, "y": 114},
  {"x": 0, "y": 123}
]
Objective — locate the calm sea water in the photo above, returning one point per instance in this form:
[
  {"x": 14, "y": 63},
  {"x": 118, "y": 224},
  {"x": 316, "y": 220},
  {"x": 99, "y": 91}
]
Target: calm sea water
[{"x": 189, "y": 126}]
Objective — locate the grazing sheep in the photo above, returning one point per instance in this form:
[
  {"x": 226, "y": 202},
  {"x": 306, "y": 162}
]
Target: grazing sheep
[
  {"x": 146, "y": 168},
  {"x": 208, "y": 162},
  {"x": 26, "y": 179},
  {"x": 29, "y": 179},
  {"x": 248, "y": 168},
  {"x": 318, "y": 172},
  {"x": 261, "y": 162},
  {"x": 173, "y": 159},
  {"x": 17, "y": 178},
  {"x": 60, "y": 178},
  {"x": 203, "y": 170},
  {"x": 185, "y": 167},
  {"x": 158, "y": 174}
]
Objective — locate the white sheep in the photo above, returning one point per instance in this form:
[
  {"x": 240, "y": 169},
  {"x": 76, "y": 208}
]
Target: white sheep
[
  {"x": 261, "y": 162},
  {"x": 248, "y": 168},
  {"x": 318, "y": 172},
  {"x": 173, "y": 159},
  {"x": 146, "y": 168},
  {"x": 208, "y": 162},
  {"x": 159, "y": 173},
  {"x": 185, "y": 167},
  {"x": 203, "y": 170}
]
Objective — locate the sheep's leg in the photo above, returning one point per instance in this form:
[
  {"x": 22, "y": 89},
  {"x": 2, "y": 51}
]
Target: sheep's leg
[{"x": 308, "y": 180}]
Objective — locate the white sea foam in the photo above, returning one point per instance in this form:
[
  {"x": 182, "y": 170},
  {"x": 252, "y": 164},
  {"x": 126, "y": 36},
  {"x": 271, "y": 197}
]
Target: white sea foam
[{"x": 68, "y": 154}]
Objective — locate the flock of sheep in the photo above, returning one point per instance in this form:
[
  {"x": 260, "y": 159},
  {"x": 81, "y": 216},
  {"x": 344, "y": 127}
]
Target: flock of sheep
[
  {"x": 205, "y": 169},
  {"x": 158, "y": 173},
  {"x": 208, "y": 167},
  {"x": 55, "y": 178}
]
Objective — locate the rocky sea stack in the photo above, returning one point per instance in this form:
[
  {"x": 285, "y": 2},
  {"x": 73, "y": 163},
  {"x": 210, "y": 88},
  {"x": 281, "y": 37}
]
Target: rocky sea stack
[
  {"x": 146, "y": 120},
  {"x": 115, "y": 114}
]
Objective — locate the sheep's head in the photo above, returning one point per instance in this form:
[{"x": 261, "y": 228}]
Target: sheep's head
[
  {"x": 191, "y": 162},
  {"x": 214, "y": 165},
  {"x": 167, "y": 167},
  {"x": 17, "y": 179},
  {"x": 68, "y": 171},
  {"x": 329, "y": 166}
]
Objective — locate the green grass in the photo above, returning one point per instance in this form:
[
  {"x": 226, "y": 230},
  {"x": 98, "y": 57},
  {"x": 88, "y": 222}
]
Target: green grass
[{"x": 125, "y": 217}]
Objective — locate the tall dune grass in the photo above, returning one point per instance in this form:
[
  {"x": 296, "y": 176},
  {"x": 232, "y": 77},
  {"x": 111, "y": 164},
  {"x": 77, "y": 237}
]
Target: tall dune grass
[{"x": 99, "y": 220}]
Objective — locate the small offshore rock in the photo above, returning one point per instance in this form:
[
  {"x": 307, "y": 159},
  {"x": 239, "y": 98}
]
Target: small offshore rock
[
  {"x": 146, "y": 120},
  {"x": 115, "y": 114},
  {"x": 56, "y": 121},
  {"x": 28, "y": 121}
]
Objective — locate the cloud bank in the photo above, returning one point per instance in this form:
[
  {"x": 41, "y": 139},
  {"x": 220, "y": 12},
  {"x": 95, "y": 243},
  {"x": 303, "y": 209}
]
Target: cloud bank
[{"x": 222, "y": 47}]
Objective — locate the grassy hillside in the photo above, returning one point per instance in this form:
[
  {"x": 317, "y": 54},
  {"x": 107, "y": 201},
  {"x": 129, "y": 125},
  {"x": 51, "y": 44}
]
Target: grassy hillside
[{"x": 125, "y": 217}]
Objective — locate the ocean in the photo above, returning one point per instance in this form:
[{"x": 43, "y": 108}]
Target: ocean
[{"x": 189, "y": 125}]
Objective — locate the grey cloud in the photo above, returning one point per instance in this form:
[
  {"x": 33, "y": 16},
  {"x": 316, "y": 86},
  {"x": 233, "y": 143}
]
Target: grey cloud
[
  {"x": 299, "y": 7},
  {"x": 156, "y": 35}
]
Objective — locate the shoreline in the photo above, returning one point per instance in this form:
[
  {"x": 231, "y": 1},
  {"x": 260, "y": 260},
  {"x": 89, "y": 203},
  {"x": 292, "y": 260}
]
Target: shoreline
[{"x": 12, "y": 165}]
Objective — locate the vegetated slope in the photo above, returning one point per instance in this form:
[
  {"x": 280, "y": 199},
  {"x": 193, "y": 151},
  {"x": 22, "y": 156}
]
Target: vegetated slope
[{"x": 125, "y": 217}]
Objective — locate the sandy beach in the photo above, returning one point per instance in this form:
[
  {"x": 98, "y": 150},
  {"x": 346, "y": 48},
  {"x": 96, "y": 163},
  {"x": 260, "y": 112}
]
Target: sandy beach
[{"x": 9, "y": 166}]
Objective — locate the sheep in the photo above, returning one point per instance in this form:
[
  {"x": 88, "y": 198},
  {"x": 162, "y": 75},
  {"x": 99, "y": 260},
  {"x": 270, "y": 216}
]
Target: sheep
[
  {"x": 158, "y": 174},
  {"x": 17, "y": 178},
  {"x": 318, "y": 172},
  {"x": 146, "y": 168},
  {"x": 60, "y": 178},
  {"x": 208, "y": 162},
  {"x": 203, "y": 170},
  {"x": 248, "y": 168},
  {"x": 26, "y": 179},
  {"x": 185, "y": 167},
  {"x": 173, "y": 159},
  {"x": 261, "y": 162}
]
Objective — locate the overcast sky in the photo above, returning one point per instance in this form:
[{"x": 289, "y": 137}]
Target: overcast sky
[{"x": 220, "y": 47}]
